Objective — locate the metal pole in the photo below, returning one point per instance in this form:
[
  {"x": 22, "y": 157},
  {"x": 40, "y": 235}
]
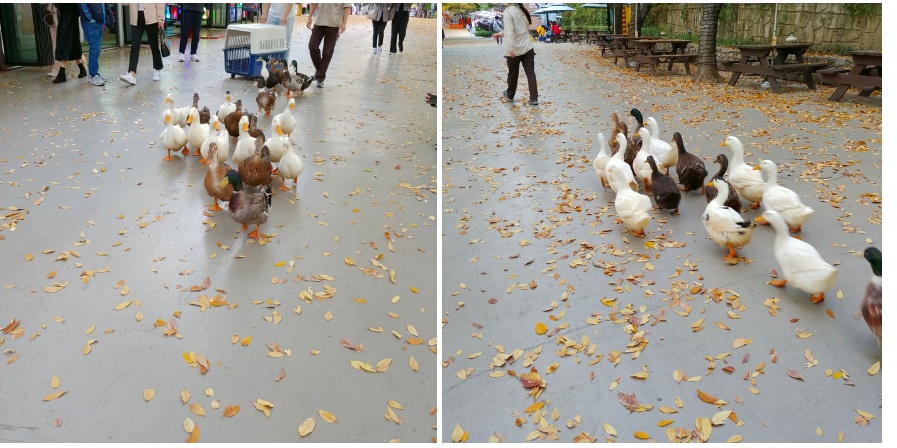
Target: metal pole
[
  {"x": 775, "y": 20},
  {"x": 635, "y": 16},
  {"x": 120, "y": 24}
]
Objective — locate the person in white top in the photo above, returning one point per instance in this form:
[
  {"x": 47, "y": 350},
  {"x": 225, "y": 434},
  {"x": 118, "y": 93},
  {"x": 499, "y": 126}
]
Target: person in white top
[
  {"x": 519, "y": 49},
  {"x": 282, "y": 14}
]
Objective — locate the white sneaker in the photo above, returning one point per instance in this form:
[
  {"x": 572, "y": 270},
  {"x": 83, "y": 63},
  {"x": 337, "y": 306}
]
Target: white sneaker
[
  {"x": 379, "y": 49},
  {"x": 97, "y": 80},
  {"x": 375, "y": 51},
  {"x": 157, "y": 75},
  {"x": 181, "y": 57},
  {"x": 128, "y": 78},
  {"x": 194, "y": 58},
  {"x": 52, "y": 74}
]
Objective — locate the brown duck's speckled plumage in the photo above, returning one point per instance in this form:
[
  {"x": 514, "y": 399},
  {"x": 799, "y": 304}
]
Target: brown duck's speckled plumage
[
  {"x": 265, "y": 100},
  {"x": 248, "y": 205},
  {"x": 256, "y": 169},
  {"x": 232, "y": 120},
  {"x": 254, "y": 131},
  {"x": 663, "y": 188}
]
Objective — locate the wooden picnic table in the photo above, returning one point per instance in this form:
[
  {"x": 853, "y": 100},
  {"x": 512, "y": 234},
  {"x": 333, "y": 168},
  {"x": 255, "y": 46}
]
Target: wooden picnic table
[
  {"x": 622, "y": 49},
  {"x": 866, "y": 73},
  {"x": 760, "y": 60},
  {"x": 652, "y": 55},
  {"x": 604, "y": 40}
]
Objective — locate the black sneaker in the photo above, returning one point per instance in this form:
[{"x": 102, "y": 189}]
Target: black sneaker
[
  {"x": 504, "y": 95},
  {"x": 533, "y": 102},
  {"x": 320, "y": 84}
]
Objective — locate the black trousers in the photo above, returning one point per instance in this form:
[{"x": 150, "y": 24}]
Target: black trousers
[
  {"x": 379, "y": 30},
  {"x": 68, "y": 38},
  {"x": 190, "y": 22},
  {"x": 398, "y": 28},
  {"x": 529, "y": 67},
  {"x": 328, "y": 34},
  {"x": 152, "y": 36}
]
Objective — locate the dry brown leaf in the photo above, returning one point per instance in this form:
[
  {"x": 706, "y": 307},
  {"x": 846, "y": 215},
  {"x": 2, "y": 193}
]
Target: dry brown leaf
[
  {"x": 246, "y": 341},
  {"x": 54, "y": 382},
  {"x": 795, "y": 374},
  {"x": 197, "y": 409},
  {"x": 189, "y": 425},
  {"x": 706, "y": 397},
  {"x": 326, "y": 416},
  {"x": 231, "y": 411},
  {"x": 54, "y": 396},
  {"x": 148, "y": 394},
  {"x": 413, "y": 363},
  {"x": 307, "y": 427},
  {"x": 383, "y": 365},
  {"x": 185, "y": 397},
  {"x": 194, "y": 436}
]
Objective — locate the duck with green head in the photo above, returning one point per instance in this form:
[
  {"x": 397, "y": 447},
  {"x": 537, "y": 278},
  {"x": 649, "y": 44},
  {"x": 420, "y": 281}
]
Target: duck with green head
[{"x": 247, "y": 205}]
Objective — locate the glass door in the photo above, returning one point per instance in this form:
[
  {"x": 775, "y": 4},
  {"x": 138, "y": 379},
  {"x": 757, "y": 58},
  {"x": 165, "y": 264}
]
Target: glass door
[{"x": 26, "y": 38}]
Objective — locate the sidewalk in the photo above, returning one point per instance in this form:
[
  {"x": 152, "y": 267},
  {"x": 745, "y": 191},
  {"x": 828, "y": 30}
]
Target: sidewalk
[
  {"x": 530, "y": 238},
  {"x": 99, "y": 233}
]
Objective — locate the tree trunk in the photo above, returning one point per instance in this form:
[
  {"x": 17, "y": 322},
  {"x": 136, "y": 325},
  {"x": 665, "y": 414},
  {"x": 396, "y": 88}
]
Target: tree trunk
[
  {"x": 643, "y": 10},
  {"x": 706, "y": 69}
]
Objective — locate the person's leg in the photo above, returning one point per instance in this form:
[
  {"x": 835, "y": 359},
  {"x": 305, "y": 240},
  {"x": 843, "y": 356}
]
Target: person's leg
[
  {"x": 403, "y": 29},
  {"x": 393, "y": 35},
  {"x": 380, "y": 32},
  {"x": 54, "y": 67},
  {"x": 152, "y": 36},
  {"x": 195, "y": 27},
  {"x": 136, "y": 37},
  {"x": 513, "y": 73},
  {"x": 290, "y": 22},
  {"x": 330, "y": 37},
  {"x": 314, "y": 49},
  {"x": 186, "y": 26},
  {"x": 529, "y": 67},
  {"x": 93, "y": 34},
  {"x": 374, "y": 36},
  {"x": 76, "y": 50}
]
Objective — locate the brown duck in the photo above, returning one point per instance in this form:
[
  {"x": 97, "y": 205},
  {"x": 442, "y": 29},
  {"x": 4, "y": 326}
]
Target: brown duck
[
  {"x": 256, "y": 169},
  {"x": 264, "y": 99},
  {"x": 232, "y": 121},
  {"x": 216, "y": 173}
]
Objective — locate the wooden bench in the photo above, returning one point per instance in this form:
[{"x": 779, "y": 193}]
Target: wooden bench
[
  {"x": 839, "y": 76},
  {"x": 625, "y": 54},
  {"x": 770, "y": 72},
  {"x": 684, "y": 59}
]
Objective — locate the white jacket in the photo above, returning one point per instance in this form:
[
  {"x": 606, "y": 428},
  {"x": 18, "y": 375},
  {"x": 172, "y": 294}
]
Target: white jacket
[{"x": 516, "y": 33}]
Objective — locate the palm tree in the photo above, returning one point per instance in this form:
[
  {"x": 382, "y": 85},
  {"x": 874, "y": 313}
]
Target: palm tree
[{"x": 707, "y": 71}]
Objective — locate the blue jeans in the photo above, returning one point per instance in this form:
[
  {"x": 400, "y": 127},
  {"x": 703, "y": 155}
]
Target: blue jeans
[
  {"x": 289, "y": 25},
  {"x": 93, "y": 34}
]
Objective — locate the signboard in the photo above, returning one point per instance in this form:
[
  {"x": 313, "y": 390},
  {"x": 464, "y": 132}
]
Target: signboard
[{"x": 627, "y": 15}]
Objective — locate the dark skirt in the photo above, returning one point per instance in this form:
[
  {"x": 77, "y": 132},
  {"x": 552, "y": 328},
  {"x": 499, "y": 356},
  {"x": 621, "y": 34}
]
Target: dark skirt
[{"x": 68, "y": 34}]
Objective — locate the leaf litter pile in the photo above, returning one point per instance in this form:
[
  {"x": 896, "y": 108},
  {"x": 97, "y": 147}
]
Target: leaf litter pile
[
  {"x": 560, "y": 326},
  {"x": 124, "y": 299}
]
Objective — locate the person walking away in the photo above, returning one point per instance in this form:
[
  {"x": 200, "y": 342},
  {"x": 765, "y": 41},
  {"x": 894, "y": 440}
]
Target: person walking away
[
  {"x": 149, "y": 17},
  {"x": 329, "y": 25},
  {"x": 399, "y": 27},
  {"x": 380, "y": 13},
  {"x": 191, "y": 22},
  {"x": 282, "y": 14},
  {"x": 68, "y": 41},
  {"x": 497, "y": 27},
  {"x": 94, "y": 18},
  {"x": 519, "y": 50}
]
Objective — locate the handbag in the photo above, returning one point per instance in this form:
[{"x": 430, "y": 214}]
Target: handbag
[
  {"x": 48, "y": 18},
  {"x": 163, "y": 44},
  {"x": 373, "y": 12}
]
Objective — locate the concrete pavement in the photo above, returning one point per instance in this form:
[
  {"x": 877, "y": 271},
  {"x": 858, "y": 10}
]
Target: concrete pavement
[
  {"x": 636, "y": 329},
  {"x": 102, "y": 236}
]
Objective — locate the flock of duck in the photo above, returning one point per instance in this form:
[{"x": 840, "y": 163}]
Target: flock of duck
[
  {"x": 247, "y": 189},
  {"x": 647, "y": 158}
]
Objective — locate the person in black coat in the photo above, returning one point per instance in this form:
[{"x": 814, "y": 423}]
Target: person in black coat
[
  {"x": 68, "y": 41},
  {"x": 399, "y": 27}
]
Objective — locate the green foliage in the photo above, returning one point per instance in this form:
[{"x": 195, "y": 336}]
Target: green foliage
[
  {"x": 586, "y": 17},
  {"x": 483, "y": 33},
  {"x": 683, "y": 12},
  {"x": 459, "y": 7},
  {"x": 731, "y": 42},
  {"x": 728, "y": 13},
  {"x": 859, "y": 9}
]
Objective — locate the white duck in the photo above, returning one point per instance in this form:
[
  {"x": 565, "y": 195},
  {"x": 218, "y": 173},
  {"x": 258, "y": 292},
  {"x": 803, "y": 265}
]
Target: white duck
[
  {"x": 221, "y": 138},
  {"x": 226, "y": 108},
  {"x": 173, "y": 137},
  {"x": 664, "y": 153},
  {"x": 632, "y": 208},
  {"x": 742, "y": 176},
  {"x": 601, "y": 159},
  {"x": 640, "y": 165},
  {"x": 245, "y": 145},
  {"x": 287, "y": 121},
  {"x": 275, "y": 143},
  {"x": 782, "y": 199},
  {"x": 801, "y": 264},
  {"x": 724, "y": 225},
  {"x": 291, "y": 166},
  {"x": 622, "y": 170},
  {"x": 198, "y": 132},
  {"x": 178, "y": 114}
]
